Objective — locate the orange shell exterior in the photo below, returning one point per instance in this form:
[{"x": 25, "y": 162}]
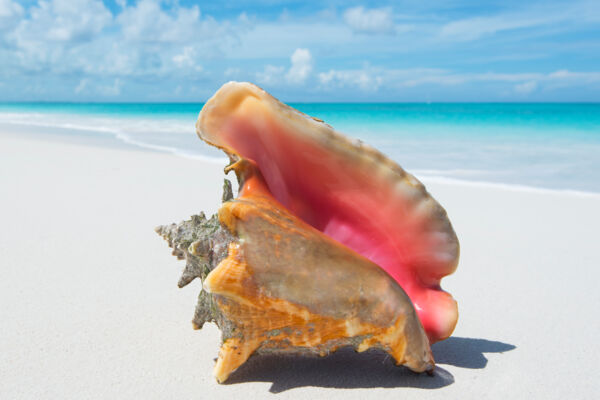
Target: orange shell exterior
[{"x": 273, "y": 287}]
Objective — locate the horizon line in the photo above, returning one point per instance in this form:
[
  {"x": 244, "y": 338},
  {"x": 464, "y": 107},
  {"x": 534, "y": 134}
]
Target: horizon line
[{"x": 2, "y": 102}]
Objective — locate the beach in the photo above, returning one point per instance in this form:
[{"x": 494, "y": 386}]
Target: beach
[{"x": 91, "y": 308}]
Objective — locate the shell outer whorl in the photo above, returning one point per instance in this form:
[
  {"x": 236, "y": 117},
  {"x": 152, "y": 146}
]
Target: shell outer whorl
[{"x": 207, "y": 245}]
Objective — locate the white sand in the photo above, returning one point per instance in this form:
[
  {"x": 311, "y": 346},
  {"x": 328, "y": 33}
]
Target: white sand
[{"x": 90, "y": 306}]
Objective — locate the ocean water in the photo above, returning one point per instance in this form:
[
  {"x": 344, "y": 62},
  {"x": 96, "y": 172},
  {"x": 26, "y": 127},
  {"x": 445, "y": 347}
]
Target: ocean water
[{"x": 536, "y": 146}]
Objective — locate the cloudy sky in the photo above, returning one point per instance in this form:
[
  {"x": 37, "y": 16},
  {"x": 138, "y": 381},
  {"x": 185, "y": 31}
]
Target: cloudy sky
[{"x": 152, "y": 50}]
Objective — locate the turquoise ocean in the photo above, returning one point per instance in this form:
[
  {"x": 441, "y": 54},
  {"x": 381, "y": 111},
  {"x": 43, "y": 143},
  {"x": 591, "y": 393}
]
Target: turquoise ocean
[{"x": 523, "y": 146}]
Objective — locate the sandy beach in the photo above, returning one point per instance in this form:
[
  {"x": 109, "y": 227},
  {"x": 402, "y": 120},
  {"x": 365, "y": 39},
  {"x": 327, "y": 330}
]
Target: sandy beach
[{"x": 91, "y": 309}]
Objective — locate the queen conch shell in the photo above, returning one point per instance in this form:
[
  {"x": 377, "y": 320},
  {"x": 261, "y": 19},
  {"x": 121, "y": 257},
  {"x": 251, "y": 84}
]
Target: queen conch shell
[{"x": 328, "y": 244}]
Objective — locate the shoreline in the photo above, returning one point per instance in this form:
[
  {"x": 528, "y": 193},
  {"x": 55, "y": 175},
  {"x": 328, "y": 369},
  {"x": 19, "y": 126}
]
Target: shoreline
[{"x": 119, "y": 140}]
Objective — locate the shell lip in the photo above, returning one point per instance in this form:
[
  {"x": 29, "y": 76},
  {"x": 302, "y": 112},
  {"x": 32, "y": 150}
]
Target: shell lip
[{"x": 234, "y": 95}]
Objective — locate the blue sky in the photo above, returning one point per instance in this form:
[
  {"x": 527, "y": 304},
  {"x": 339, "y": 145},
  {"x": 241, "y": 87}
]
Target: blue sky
[{"x": 151, "y": 50}]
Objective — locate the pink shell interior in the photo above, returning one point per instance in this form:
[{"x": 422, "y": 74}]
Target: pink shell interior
[{"x": 350, "y": 204}]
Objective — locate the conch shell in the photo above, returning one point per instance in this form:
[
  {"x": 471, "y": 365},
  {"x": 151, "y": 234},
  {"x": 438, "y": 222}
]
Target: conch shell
[{"x": 328, "y": 244}]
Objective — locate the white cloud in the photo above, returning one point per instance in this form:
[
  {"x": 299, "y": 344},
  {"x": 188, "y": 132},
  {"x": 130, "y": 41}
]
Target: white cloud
[
  {"x": 549, "y": 15},
  {"x": 377, "y": 20},
  {"x": 525, "y": 82},
  {"x": 526, "y": 87},
  {"x": 111, "y": 90},
  {"x": 160, "y": 42},
  {"x": 87, "y": 86},
  {"x": 563, "y": 73},
  {"x": 272, "y": 75},
  {"x": 10, "y": 12},
  {"x": 373, "y": 79},
  {"x": 361, "y": 79},
  {"x": 187, "y": 59},
  {"x": 433, "y": 78},
  {"x": 147, "y": 22},
  {"x": 301, "y": 66},
  {"x": 473, "y": 28},
  {"x": 83, "y": 84},
  {"x": 243, "y": 18},
  {"x": 271, "y": 40},
  {"x": 583, "y": 76},
  {"x": 63, "y": 21},
  {"x": 232, "y": 72},
  {"x": 82, "y": 47},
  {"x": 9, "y": 8},
  {"x": 55, "y": 30},
  {"x": 299, "y": 71},
  {"x": 84, "y": 38},
  {"x": 443, "y": 77}
]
